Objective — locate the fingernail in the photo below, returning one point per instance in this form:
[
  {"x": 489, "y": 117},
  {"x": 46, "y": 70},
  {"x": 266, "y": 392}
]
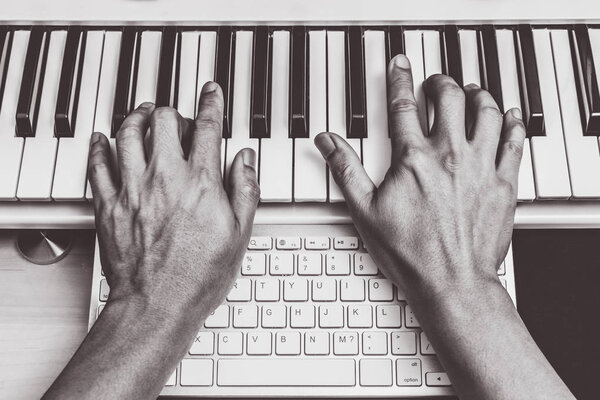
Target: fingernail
[
  {"x": 249, "y": 158},
  {"x": 209, "y": 87},
  {"x": 146, "y": 105},
  {"x": 325, "y": 144},
  {"x": 516, "y": 113},
  {"x": 95, "y": 137},
  {"x": 471, "y": 86},
  {"x": 401, "y": 61}
]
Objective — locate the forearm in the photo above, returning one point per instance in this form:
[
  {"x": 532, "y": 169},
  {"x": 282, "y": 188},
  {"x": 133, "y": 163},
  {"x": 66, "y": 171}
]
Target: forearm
[
  {"x": 129, "y": 353},
  {"x": 484, "y": 345}
]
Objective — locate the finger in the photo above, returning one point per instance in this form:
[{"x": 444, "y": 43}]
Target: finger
[
  {"x": 487, "y": 120},
  {"x": 131, "y": 157},
  {"x": 164, "y": 137},
  {"x": 448, "y": 101},
  {"x": 346, "y": 169},
  {"x": 510, "y": 149},
  {"x": 100, "y": 173},
  {"x": 205, "y": 151},
  {"x": 405, "y": 128},
  {"x": 244, "y": 191}
]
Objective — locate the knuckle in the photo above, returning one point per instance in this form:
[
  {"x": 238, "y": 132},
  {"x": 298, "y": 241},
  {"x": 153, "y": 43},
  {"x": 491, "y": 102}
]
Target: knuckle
[
  {"x": 403, "y": 105},
  {"x": 449, "y": 90},
  {"x": 513, "y": 148},
  {"x": 164, "y": 112},
  {"x": 452, "y": 162},
  {"x": 413, "y": 155},
  {"x": 250, "y": 190},
  {"x": 127, "y": 133},
  {"x": 492, "y": 113},
  {"x": 208, "y": 122},
  {"x": 506, "y": 188}
]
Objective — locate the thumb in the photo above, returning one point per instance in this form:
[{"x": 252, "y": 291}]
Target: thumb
[
  {"x": 346, "y": 168},
  {"x": 244, "y": 191}
]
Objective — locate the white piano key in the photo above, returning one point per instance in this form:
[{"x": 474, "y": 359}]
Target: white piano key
[
  {"x": 413, "y": 44},
  {"x": 548, "y": 152},
  {"x": 594, "y": 35},
  {"x": 310, "y": 172},
  {"x": 336, "y": 101},
  {"x": 72, "y": 157},
  {"x": 509, "y": 79},
  {"x": 469, "y": 55},
  {"x": 432, "y": 55},
  {"x": 39, "y": 153},
  {"x": 277, "y": 151},
  {"x": 242, "y": 87},
  {"x": 147, "y": 71},
  {"x": 106, "y": 90},
  {"x": 206, "y": 60},
  {"x": 376, "y": 148},
  {"x": 582, "y": 151},
  {"x": 188, "y": 73},
  {"x": 11, "y": 147}
]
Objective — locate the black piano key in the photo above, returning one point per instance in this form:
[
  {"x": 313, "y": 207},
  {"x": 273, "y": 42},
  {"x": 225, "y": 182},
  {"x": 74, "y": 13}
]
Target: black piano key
[
  {"x": 165, "y": 68},
  {"x": 586, "y": 80},
  {"x": 64, "y": 117},
  {"x": 5, "y": 47},
  {"x": 123, "y": 85},
  {"x": 531, "y": 99},
  {"x": 261, "y": 83},
  {"x": 299, "y": 83},
  {"x": 452, "y": 55},
  {"x": 356, "y": 108},
  {"x": 224, "y": 73},
  {"x": 30, "y": 84},
  {"x": 395, "y": 41},
  {"x": 492, "y": 65}
]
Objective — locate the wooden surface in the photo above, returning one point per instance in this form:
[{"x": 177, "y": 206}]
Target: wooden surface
[
  {"x": 43, "y": 315},
  {"x": 290, "y": 11}
]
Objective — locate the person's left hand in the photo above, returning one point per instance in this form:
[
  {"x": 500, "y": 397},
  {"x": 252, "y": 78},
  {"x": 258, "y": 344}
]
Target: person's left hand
[{"x": 171, "y": 237}]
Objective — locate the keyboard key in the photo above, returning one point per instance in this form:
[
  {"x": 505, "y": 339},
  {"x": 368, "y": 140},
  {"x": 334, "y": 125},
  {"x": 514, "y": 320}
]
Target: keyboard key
[
  {"x": 188, "y": 73},
  {"x": 168, "y": 53},
  {"x": 207, "y": 54},
  {"x": 245, "y": 316},
  {"x": 352, "y": 290},
  {"x": 331, "y": 316},
  {"x": 364, "y": 264},
  {"x": 381, "y": 290},
  {"x": 587, "y": 78},
  {"x": 533, "y": 114},
  {"x": 404, "y": 343},
  {"x": 230, "y": 343},
  {"x": 345, "y": 243},
  {"x": 408, "y": 372},
  {"x": 355, "y": 97},
  {"x": 413, "y": 42},
  {"x": 267, "y": 290},
  {"x": 426, "y": 347},
  {"x": 172, "y": 379},
  {"x": 295, "y": 290},
  {"x": 469, "y": 56},
  {"x": 241, "y": 290},
  {"x": 309, "y": 264},
  {"x": 281, "y": 264},
  {"x": 411, "y": 320},
  {"x": 316, "y": 243},
  {"x": 388, "y": 316},
  {"x": 254, "y": 264},
  {"x": 203, "y": 344},
  {"x": 196, "y": 372},
  {"x": 108, "y": 83},
  {"x": 274, "y": 316},
  {"x": 376, "y": 372},
  {"x": 288, "y": 243},
  {"x": 492, "y": 67},
  {"x": 224, "y": 75},
  {"x": 30, "y": 83},
  {"x": 218, "y": 318},
  {"x": 67, "y": 93},
  {"x": 122, "y": 90},
  {"x": 276, "y": 372},
  {"x": 261, "y": 58},
  {"x": 324, "y": 290},
  {"x": 260, "y": 243},
  {"x": 316, "y": 343},
  {"x": 287, "y": 343},
  {"x": 299, "y": 83},
  {"x": 337, "y": 263},
  {"x": 437, "y": 379},
  {"x": 360, "y": 316},
  {"x": 374, "y": 343},
  {"x": 302, "y": 316},
  {"x": 104, "y": 290},
  {"x": 453, "y": 64},
  {"x": 258, "y": 343},
  {"x": 345, "y": 343},
  {"x": 395, "y": 41}
]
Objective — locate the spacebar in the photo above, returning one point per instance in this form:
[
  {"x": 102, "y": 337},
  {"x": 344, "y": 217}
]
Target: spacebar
[{"x": 286, "y": 372}]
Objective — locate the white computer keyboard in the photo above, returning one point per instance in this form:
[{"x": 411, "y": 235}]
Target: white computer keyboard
[{"x": 309, "y": 315}]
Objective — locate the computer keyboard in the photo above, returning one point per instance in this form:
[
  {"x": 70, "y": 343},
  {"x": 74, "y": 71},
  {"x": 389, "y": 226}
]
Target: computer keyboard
[{"x": 309, "y": 314}]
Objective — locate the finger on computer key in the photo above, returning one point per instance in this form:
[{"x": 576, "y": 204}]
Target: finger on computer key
[
  {"x": 405, "y": 128},
  {"x": 510, "y": 149},
  {"x": 244, "y": 191},
  {"x": 131, "y": 156},
  {"x": 487, "y": 120},
  {"x": 449, "y": 109},
  {"x": 205, "y": 150},
  {"x": 100, "y": 171},
  {"x": 346, "y": 168}
]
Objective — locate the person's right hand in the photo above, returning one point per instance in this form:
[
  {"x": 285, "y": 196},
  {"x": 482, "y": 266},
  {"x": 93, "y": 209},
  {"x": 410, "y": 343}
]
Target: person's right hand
[{"x": 442, "y": 219}]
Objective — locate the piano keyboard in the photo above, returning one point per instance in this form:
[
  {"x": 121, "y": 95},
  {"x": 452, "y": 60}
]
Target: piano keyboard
[{"x": 283, "y": 86}]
